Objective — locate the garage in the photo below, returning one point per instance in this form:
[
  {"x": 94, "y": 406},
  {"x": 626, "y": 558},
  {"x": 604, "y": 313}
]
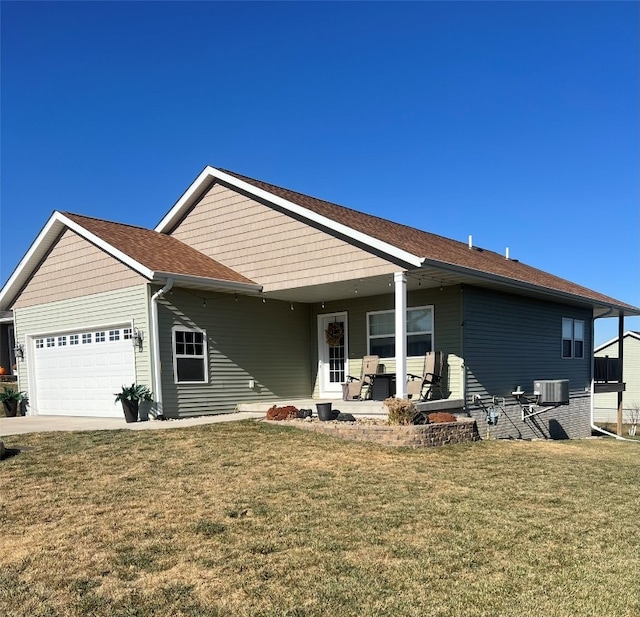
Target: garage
[{"x": 78, "y": 373}]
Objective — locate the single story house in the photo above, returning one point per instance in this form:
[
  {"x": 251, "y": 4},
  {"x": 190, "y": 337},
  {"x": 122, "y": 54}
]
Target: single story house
[
  {"x": 607, "y": 370},
  {"x": 230, "y": 298}
]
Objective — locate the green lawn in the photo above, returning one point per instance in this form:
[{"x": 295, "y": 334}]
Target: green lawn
[{"x": 251, "y": 519}]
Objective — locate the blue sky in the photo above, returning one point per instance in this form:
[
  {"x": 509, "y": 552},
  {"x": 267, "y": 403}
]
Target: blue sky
[{"x": 516, "y": 122}]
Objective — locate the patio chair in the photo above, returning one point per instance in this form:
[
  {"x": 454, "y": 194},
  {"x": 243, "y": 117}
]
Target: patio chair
[
  {"x": 422, "y": 387},
  {"x": 359, "y": 388}
]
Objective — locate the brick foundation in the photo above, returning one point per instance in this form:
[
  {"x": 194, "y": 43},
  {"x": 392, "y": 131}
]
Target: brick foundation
[{"x": 423, "y": 436}]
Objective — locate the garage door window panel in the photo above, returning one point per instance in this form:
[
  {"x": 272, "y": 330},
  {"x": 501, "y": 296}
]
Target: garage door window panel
[{"x": 189, "y": 356}]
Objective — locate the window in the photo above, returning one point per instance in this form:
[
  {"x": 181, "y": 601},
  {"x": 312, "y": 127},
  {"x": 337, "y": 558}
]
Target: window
[
  {"x": 62, "y": 341},
  {"x": 189, "y": 356},
  {"x": 100, "y": 337},
  {"x": 73, "y": 339},
  {"x": 86, "y": 338},
  {"x": 572, "y": 338},
  {"x": 39, "y": 343},
  {"x": 51, "y": 342},
  {"x": 381, "y": 332},
  {"x": 127, "y": 334},
  {"x": 114, "y": 335}
]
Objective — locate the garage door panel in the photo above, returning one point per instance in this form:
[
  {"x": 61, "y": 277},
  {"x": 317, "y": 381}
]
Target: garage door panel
[{"x": 82, "y": 379}]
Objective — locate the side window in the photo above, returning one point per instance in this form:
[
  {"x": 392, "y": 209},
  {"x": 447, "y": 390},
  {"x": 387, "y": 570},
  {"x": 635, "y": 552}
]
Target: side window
[
  {"x": 189, "y": 356},
  {"x": 381, "y": 332},
  {"x": 572, "y": 338}
]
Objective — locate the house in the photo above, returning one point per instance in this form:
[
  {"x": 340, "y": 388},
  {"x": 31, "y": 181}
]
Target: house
[
  {"x": 607, "y": 370},
  {"x": 228, "y": 301},
  {"x": 7, "y": 352}
]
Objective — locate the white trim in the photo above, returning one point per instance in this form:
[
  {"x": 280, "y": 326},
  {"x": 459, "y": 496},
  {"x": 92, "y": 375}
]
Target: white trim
[
  {"x": 431, "y": 307},
  {"x": 195, "y": 190},
  {"x": 105, "y": 246},
  {"x": 630, "y": 333},
  {"x": 204, "y": 356},
  {"x": 400, "y": 284},
  {"x": 324, "y": 393}
]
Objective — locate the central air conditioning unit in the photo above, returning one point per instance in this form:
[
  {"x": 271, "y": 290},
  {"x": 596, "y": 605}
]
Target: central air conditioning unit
[{"x": 551, "y": 391}]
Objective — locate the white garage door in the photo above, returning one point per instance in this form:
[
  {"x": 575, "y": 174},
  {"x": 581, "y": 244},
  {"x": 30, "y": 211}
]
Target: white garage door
[{"x": 78, "y": 373}]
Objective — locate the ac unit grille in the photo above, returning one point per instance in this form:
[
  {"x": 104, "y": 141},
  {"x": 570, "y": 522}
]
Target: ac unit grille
[{"x": 551, "y": 391}]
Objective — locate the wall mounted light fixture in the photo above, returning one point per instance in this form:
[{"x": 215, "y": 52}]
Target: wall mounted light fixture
[{"x": 19, "y": 351}]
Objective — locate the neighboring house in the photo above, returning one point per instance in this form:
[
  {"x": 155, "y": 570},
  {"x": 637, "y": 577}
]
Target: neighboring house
[
  {"x": 228, "y": 301},
  {"x": 7, "y": 353},
  {"x": 607, "y": 366}
]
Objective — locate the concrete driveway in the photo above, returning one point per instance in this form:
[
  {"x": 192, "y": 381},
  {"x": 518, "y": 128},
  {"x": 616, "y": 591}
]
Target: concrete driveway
[{"x": 45, "y": 424}]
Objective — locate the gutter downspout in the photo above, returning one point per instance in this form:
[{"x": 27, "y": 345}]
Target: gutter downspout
[
  {"x": 155, "y": 333},
  {"x": 592, "y": 398}
]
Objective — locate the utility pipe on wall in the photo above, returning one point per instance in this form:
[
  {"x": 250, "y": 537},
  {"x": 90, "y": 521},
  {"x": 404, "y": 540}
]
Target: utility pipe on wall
[{"x": 155, "y": 330}]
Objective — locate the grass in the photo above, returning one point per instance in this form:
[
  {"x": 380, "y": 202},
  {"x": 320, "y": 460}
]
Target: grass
[{"x": 249, "y": 519}]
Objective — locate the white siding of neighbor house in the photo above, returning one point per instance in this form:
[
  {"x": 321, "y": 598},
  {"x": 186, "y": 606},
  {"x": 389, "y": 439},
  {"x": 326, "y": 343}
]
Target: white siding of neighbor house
[
  {"x": 606, "y": 404},
  {"x": 122, "y": 306},
  {"x": 271, "y": 247},
  {"x": 73, "y": 268}
]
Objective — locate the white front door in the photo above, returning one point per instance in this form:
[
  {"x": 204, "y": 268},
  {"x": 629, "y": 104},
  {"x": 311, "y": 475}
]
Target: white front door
[{"x": 332, "y": 354}]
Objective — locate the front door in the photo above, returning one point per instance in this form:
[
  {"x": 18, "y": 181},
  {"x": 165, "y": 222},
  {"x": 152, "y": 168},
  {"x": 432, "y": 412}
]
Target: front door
[{"x": 332, "y": 354}]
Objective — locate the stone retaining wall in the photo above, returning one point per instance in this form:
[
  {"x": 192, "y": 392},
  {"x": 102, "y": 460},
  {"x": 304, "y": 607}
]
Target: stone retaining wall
[{"x": 422, "y": 436}]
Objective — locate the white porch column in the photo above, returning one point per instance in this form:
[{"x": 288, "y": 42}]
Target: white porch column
[{"x": 400, "y": 280}]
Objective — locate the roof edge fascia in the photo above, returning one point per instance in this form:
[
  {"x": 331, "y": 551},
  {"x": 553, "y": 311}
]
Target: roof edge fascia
[
  {"x": 204, "y": 282},
  {"x": 194, "y": 191},
  {"x": 629, "y": 310},
  {"x": 105, "y": 246}
]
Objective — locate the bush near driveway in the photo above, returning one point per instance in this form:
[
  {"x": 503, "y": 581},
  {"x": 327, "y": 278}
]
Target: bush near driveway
[{"x": 242, "y": 519}]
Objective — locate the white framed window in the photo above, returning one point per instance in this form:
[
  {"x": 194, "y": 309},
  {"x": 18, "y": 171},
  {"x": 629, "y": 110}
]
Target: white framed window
[
  {"x": 127, "y": 334},
  {"x": 100, "y": 337},
  {"x": 86, "y": 338},
  {"x": 189, "y": 355},
  {"x": 572, "y": 338},
  {"x": 62, "y": 341},
  {"x": 51, "y": 341},
  {"x": 381, "y": 330},
  {"x": 39, "y": 343},
  {"x": 114, "y": 335},
  {"x": 74, "y": 339}
]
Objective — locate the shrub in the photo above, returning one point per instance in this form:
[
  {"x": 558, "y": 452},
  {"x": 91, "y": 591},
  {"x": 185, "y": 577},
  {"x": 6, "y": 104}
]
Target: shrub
[{"x": 401, "y": 410}]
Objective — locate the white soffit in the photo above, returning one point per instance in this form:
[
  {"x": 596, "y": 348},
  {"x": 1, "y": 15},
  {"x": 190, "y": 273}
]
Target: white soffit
[{"x": 194, "y": 192}]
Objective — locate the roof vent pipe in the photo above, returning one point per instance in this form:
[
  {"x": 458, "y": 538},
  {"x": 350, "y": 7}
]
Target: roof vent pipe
[
  {"x": 506, "y": 253},
  {"x": 470, "y": 241}
]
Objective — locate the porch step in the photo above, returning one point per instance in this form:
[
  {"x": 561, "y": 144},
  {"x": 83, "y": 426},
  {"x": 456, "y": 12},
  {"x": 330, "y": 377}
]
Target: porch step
[
  {"x": 363, "y": 409},
  {"x": 357, "y": 408}
]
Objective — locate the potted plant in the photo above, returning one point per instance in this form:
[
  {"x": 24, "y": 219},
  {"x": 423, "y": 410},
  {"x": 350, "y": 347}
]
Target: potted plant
[
  {"x": 130, "y": 397},
  {"x": 13, "y": 401}
]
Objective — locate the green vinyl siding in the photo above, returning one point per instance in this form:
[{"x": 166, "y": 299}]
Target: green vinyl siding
[
  {"x": 446, "y": 331},
  {"x": 113, "y": 307},
  {"x": 246, "y": 340}
]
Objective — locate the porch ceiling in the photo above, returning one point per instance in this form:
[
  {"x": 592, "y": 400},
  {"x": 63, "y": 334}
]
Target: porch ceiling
[{"x": 432, "y": 277}]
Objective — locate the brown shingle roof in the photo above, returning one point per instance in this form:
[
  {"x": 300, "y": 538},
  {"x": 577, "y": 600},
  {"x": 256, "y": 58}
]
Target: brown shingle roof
[
  {"x": 157, "y": 252},
  {"x": 431, "y": 246}
]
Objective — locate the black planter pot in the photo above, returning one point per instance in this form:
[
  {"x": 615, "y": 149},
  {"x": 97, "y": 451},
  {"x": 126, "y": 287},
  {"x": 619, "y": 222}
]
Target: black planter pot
[
  {"x": 130, "y": 409},
  {"x": 10, "y": 408},
  {"x": 325, "y": 413}
]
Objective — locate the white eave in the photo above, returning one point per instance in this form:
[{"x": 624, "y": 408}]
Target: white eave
[{"x": 210, "y": 174}]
